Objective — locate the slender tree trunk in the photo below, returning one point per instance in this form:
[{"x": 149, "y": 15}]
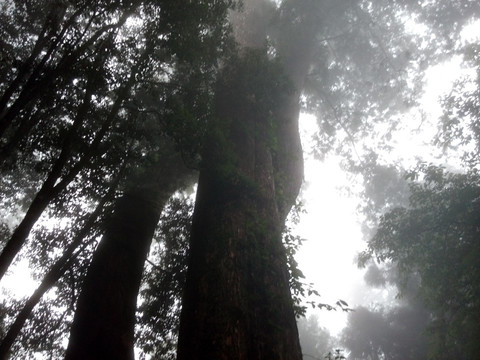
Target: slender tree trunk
[
  {"x": 103, "y": 326},
  {"x": 57, "y": 270},
  {"x": 33, "y": 88},
  {"x": 46, "y": 33},
  {"x": 47, "y": 192},
  {"x": 25, "y": 124},
  {"x": 55, "y": 183}
]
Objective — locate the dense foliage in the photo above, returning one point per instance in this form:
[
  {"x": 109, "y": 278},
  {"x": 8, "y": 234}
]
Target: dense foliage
[{"x": 429, "y": 232}]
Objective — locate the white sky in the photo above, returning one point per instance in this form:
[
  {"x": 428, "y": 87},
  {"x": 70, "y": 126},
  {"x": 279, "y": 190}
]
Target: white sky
[{"x": 333, "y": 237}]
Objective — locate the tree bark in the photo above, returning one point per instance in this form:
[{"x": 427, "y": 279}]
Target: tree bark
[
  {"x": 103, "y": 326},
  {"x": 105, "y": 315}
]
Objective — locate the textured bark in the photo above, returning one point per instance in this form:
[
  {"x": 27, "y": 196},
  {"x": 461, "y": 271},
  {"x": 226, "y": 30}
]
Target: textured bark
[
  {"x": 103, "y": 326},
  {"x": 237, "y": 303}
]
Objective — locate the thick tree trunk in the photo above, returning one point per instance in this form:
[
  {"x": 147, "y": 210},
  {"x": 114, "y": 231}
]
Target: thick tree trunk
[
  {"x": 237, "y": 303},
  {"x": 103, "y": 326}
]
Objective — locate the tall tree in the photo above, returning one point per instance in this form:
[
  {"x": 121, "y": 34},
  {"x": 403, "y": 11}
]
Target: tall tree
[
  {"x": 58, "y": 269},
  {"x": 61, "y": 48},
  {"x": 60, "y": 97},
  {"x": 432, "y": 236},
  {"x": 237, "y": 302},
  {"x": 108, "y": 59}
]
